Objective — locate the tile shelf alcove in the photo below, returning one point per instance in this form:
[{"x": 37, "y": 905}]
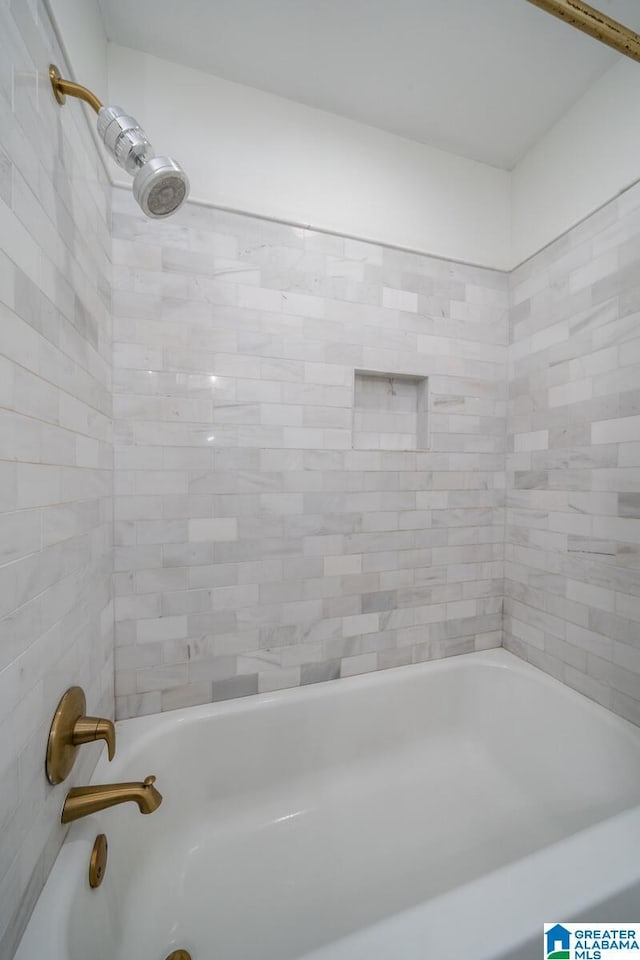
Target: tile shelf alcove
[{"x": 390, "y": 411}]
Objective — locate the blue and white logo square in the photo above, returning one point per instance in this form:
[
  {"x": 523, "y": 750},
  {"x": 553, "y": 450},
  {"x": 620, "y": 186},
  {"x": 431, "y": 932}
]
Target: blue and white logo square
[
  {"x": 557, "y": 942},
  {"x": 593, "y": 941}
]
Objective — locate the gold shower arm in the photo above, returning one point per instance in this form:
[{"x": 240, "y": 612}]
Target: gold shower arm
[
  {"x": 64, "y": 88},
  {"x": 160, "y": 185},
  {"x": 596, "y": 24}
]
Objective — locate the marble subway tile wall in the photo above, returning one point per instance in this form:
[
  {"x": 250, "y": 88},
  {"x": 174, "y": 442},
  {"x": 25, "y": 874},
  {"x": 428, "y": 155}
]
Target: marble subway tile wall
[
  {"x": 255, "y": 548},
  {"x": 56, "y": 612},
  {"x": 573, "y": 469}
]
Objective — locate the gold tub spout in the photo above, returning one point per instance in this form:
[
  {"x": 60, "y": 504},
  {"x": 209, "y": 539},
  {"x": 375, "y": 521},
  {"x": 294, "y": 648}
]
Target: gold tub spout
[{"x": 83, "y": 801}]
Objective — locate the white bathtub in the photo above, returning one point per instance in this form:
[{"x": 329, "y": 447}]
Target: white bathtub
[{"x": 443, "y": 810}]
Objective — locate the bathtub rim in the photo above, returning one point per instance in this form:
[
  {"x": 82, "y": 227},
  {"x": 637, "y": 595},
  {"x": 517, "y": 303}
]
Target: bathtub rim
[{"x": 142, "y": 730}]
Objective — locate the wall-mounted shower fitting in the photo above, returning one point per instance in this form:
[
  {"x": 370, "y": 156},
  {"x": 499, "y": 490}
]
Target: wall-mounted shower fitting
[
  {"x": 160, "y": 185},
  {"x": 70, "y": 729},
  {"x": 83, "y": 801}
]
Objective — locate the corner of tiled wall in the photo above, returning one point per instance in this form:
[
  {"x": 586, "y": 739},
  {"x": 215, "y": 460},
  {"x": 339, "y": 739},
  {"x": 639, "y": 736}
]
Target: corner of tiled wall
[
  {"x": 573, "y": 465},
  {"x": 56, "y": 608}
]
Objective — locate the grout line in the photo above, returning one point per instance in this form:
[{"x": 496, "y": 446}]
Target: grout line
[
  {"x": 301, "y": 225},
  {"x": 360, "y": 238}
]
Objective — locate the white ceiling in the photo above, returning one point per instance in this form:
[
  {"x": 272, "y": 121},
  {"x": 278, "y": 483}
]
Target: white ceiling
[{"x": 480, "y": 78}]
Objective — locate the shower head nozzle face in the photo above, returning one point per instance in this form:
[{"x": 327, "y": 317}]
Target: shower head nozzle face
[{"x": 160, "y": 187}]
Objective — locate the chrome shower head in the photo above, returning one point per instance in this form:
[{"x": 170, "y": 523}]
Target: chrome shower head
[{"x": 160, "y": 185}]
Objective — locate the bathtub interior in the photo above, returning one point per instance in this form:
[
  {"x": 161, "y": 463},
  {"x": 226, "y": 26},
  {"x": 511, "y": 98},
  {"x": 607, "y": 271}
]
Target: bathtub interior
[{"x": 291, "y": 820}]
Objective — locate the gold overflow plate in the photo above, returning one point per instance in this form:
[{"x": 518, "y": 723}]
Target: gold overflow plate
[{"x": 98, "y": 861}]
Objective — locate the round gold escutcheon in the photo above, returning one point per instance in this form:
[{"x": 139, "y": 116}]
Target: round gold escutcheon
[
  {"x": 61, "y": 750},
  {"x": 54, "y": 77},
  {"x": 98, "y": 862},
  {"x": 179, "y": 955}
]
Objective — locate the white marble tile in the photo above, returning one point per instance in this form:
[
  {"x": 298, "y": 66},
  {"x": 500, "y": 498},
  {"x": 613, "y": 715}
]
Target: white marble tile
[
  {"x": 571, "y": 534},
  {"x": 55, "y": 391},
  {"x": 213, "y": 529},
  {"x": 276, "y": 542},
  {"x": 400, "y": 299}
]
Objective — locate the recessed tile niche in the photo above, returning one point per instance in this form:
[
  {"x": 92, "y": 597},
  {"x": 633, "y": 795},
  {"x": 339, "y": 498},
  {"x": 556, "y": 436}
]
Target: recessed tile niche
[{"x": 390, "y": 412}]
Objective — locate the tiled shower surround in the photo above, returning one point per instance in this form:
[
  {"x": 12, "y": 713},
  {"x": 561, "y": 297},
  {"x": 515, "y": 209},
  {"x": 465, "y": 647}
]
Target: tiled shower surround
[
  {"x": 255, "y": 548},
  {"x": 573, "y": 471},
  {"x": 260, "y": 542},
  {"x": 56, "y": 614}
]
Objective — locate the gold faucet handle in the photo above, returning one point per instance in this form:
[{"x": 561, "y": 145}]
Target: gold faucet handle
[
  {"x": 89, "y": 729},
  {"x": 70, "y": 728}
]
